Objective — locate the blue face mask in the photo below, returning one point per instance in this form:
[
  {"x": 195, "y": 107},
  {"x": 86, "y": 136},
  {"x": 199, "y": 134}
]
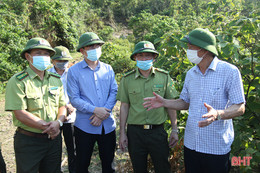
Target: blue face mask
[
  {"x": 62, "y": 65},
  {"x": 41, "y": 62},
  {"x": 94, "y": 54},
  {"x": 144, "y": 65}
]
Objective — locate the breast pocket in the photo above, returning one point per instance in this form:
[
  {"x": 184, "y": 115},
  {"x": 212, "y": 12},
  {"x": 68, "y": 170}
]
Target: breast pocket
[
  {"x": 54, "y": 97},
  {"x": 159, "y": 90},
  {"x": 34, "y": 102},
  {"x": 134, "y": 95}
]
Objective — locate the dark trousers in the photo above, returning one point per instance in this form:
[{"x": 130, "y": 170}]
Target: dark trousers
[
  {"x": 142, "y": 142},
  {"x": 84, "y": 147},
  {"x": 2, "y": 163},
  {"x": 196, "y": 162},
  {"x": 68, "y": 134},
  {"x": 37, "y": 155}
]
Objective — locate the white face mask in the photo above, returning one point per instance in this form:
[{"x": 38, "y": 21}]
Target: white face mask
[{"x": 193, "y": 56}]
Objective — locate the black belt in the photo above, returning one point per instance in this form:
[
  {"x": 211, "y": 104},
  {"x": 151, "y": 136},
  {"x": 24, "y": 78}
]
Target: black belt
[
  {"x": 32, "y": 134},
  {"x": 146, "y": 126}
]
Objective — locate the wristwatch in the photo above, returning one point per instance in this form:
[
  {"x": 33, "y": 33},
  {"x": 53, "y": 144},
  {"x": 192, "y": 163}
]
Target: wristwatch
[
  {"x": 60, "y": 122},
  {"x": 175, "y": 130}
]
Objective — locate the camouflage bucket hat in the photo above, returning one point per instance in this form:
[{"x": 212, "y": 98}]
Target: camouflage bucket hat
[
  {"x": 37, "y": 43},
  {"x": 202, "y": 38},
  {"x": 144, "y": 46},
  {"x": 89, "y": 38},
  {"x": 62, "y": 53}
]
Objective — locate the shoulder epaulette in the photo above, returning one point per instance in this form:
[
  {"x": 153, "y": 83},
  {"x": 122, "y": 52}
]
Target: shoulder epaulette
[
  {"x": 21, "y": 76},
  {"x": 55, "y": 75},
  {"x": 161, "y": 70},
  {"x": 128, "y": 73}
]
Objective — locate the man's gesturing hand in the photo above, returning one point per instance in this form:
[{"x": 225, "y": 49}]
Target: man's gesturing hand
[
  {"x": 211, "y": 116},
  {"x": 153, "y": 102}
]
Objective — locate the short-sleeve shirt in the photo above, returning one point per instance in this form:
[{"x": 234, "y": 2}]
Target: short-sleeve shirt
[
  {"x": 42, "y": 98},
  {"x": 134, "y": 88},
  {"x": 221, "y": 86}
]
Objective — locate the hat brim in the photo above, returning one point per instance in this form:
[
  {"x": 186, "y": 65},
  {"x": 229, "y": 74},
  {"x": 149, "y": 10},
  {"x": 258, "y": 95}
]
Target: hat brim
[
  {"x": 201, "y": 44},
  {"x": 144, "y": 50},
  {"x": 52, "y": 51},
  {"x": 62, "y": 58},
  {"x": 89, "y": 43}
]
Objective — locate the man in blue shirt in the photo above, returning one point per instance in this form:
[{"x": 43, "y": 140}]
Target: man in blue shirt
[
  {"x": 92, "y": 90},
  {"x": 213, "y": 92}
]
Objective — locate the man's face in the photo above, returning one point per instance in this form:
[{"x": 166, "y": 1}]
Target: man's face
[
  {"x": 144, "y": 56},
  {"x": 89, "y": 47},
  {"x": 59, "y": 61},
  {"x": 36, "y": 52},
  {"x": 193, "y": 47}
]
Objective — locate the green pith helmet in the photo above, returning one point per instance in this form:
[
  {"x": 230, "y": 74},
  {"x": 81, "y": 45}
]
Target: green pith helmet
[
  {"x": 144, "y": 46},
  {"x": 202, "y": 38},
  {"x": 89, "y": 38},
  {"x": 62, "y": 53},
  {"x": 37, "y": 43}
]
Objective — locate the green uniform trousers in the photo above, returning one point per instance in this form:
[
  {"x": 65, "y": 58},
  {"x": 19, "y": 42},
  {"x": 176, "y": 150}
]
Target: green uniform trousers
[
  {"x": 35, "y": 154},
  {"x": 142, "y": 142}
]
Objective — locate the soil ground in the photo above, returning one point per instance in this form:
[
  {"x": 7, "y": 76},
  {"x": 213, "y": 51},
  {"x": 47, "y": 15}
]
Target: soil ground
[{"x": 7, "y": 130}]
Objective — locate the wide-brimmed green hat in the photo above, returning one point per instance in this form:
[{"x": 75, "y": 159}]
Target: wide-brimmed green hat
[
  {"x": 37, "y": 43},
  {"x": 144, "y": 46},
  {"x": 62, "y": 53},
  {"x": 89, "y": 38},
  {"x": 202, "y": 38}
]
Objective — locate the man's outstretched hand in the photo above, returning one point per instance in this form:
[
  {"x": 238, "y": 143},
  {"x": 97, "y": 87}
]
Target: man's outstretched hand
[
  {"x": 211, "y": 116},
  {"x": 153, "y": 102}
]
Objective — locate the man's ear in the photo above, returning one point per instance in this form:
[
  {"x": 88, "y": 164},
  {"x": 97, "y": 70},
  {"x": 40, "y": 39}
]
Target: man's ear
[
  {"x": 82, "y": 50},
  {"x": 27, "y": 56}
]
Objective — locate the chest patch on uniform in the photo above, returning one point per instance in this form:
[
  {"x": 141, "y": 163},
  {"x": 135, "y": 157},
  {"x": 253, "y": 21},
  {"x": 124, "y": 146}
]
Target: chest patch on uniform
[
  {"x": 158, "y": 86},
  {"x": 22, "y": 76},
  {"x": 53, "y": 88}
]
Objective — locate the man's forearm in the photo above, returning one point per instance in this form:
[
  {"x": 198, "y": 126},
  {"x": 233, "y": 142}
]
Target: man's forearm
[
  {"x": 124, "y": 108},
  {"x": 29, "y": 119},
  {"x": 232, "y": 111},
  {"x": 173, "y": 117},
  {"x": 62, "y": 113},
  {"x": 176, "y": 104}
]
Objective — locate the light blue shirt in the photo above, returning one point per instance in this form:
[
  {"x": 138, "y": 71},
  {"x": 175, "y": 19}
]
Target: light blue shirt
[
  {"x": 221, "y": 86},
  {"x": 88, "y": 89},
  {"x": 63, "y": 79},
  {"x": 71, "y": 117}
]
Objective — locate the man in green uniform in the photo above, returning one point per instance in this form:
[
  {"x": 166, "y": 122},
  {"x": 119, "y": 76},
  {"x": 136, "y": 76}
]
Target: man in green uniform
[
  {"x": 36, "y": 99},
  {"x": 145, "y": 131}
]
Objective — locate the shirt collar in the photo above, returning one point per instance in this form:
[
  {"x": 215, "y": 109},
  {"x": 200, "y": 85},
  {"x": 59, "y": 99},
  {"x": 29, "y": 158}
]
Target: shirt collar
[
  {"x": 32, "y": 74},
  {"x": 214, "y": 63},
  {"x": 138, "y": 74},
  {"x": 85, "y": 64},
  {"x": 212, "y": 66}
]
